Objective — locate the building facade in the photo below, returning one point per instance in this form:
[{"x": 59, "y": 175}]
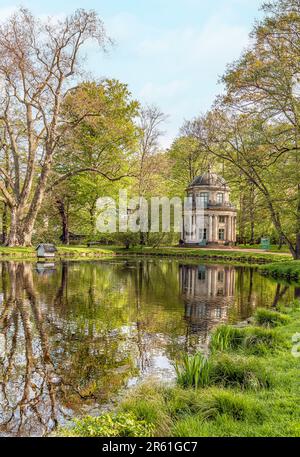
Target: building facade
[{"x": 214, "y": 223}]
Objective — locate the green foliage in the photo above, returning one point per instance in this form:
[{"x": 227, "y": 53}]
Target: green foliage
[
  {"x": 228, "y": 371},
  {"x": 146, "y": 405},
  {"x": 261, "y": 341},
  {"x": 187, "y": 160},
  {"x": 230, "y": 403},
  {"x": 287, "y": 269},
  {"x": 121, "y": 424},
  {"x": 254, "y": 340},
  {"x": 193, "y": 371},
  {"x": 226, "y": 337},
  {"x": 269, "y": 318},
  {"x": 238, "y": 372}
]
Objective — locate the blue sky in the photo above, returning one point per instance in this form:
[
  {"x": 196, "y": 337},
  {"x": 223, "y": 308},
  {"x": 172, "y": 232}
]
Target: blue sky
[{"x": 170, "y": 52}]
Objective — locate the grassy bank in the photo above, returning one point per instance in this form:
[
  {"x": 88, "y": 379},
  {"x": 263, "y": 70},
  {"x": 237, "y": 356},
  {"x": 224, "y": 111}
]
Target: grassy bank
[
  {"x": 249, "y": 386},
  {"x": 273, "y": 247},
  {"x": 288, "y": 270},
  {"x": 63, "y": 252},
  {"x": 203, "y": 254},
  {"x": 83, "y": 252}
]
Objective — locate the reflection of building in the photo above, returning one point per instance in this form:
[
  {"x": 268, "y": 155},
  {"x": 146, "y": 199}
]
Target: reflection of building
[
  {"x": 214, "y": 220},
  {"x": 207, "y": 293},
  {"x": 45, "y": 268}
]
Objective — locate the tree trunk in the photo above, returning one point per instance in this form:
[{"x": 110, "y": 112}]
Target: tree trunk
[
  {"x": 64, "y": 221},
  {"x": 21, "y": 226},
  {"x": 297, "y": 253},
  {"x": 252, "y": 214},
  {"x": 15, "y": 231},
  {"x": 4, "y": 224},
  {"x": 241, "y": 219},
  {"x": 142, "y": 239}
]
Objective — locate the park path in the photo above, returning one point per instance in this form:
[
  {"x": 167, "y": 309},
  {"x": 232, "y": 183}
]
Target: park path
[{"x": 253, "y": 251}]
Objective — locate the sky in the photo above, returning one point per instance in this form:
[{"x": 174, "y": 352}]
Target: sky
[{"x": 171, "y": 53}]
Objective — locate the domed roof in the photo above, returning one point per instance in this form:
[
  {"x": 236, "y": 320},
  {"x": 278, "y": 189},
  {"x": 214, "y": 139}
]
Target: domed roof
[{"x": 209, "y": 180}]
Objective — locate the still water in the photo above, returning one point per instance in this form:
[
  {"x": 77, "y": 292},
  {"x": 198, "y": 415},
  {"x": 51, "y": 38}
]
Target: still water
[{"x": 72, "y": 337}]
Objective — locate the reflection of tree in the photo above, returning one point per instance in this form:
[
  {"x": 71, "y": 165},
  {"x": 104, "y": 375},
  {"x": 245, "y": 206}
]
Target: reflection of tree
[
  {"x": 58, "y": 357},
  {"x": 27, "y": 389},
  {"x": 61, "y": 296},
  {"x": 280, "y": 292},
  {"x": 139, "y": 278}
]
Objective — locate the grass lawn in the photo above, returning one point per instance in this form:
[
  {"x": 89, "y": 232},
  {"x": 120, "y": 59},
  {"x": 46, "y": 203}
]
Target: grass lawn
[
  {"x": 203, "y": 254},
  {"x": 73, "y": 252},
  {"x": 289, "y": 270},
  {"x": 248, "y": 387},
  {"x": 273, "y": 247}
]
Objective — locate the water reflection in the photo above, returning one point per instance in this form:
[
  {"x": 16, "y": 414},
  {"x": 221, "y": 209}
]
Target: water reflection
[
  {"x": 27, "y": 387},
  {"x": 72, "y": 337},
  {"x": 208, "y": 292}
]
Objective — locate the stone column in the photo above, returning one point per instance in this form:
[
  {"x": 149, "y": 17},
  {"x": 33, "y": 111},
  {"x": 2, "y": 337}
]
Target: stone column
[
  {"x": 226, "y": 234},
  {"x": 234, "y": 229},
  {"x": 210, "y": 229},
  {"x": 215, "y": 236},
  {"x": 229, "y": 228}
]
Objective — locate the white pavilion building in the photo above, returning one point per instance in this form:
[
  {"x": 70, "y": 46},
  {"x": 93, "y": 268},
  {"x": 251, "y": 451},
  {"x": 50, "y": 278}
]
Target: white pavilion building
[{"x": 215, "y": 223}]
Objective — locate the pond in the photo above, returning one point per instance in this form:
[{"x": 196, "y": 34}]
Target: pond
[{"x": 76, "y": 334}]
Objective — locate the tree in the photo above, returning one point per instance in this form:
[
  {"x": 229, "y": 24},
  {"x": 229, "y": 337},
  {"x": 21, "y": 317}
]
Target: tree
[
  {"x": 95, "y": 154},
  {"x": 148, "y": 160},
  {"x": 150, "y": 120},
  {"x": 38, "y": 63},
  {"x": 239, "y": 140},
  {"x": 263, "y": 85}
]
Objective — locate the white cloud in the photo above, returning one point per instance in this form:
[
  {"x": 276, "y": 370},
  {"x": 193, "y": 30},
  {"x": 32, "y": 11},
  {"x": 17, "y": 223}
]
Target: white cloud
[
  {"x": 154, "y": 91},
  {"x": 5, "y": 12},
  {"x": 123, "y": 26},
  {"x": 215, "y": 41}
]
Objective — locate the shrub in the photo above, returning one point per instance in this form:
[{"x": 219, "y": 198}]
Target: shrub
[
  {"x": 270, "y": 318},
  {"x": 226, "y": 337},
  {"x": 254, "y": 340},
  {"x": 238, "y": 372},
  {"x": 229, "y": 403},
  {"x": 259, "y": 341},
  {"x": 121, "y": 424},
  {"x": 147, "y": 403},
  {"x": 193, "y": 371}
]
